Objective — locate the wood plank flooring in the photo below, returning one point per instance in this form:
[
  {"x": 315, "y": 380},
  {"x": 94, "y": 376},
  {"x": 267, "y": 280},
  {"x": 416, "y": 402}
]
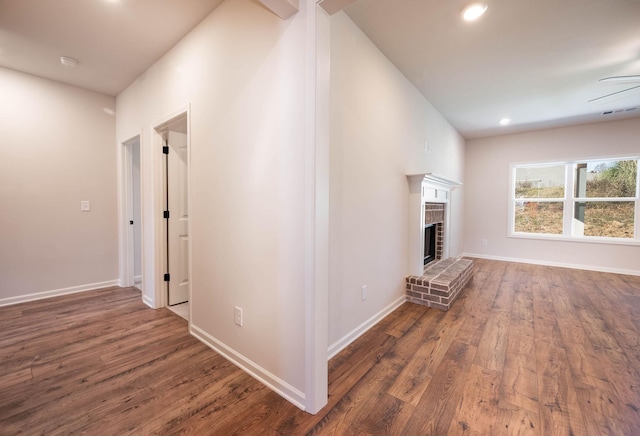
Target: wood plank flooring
[{"x": 525, "y": 350}]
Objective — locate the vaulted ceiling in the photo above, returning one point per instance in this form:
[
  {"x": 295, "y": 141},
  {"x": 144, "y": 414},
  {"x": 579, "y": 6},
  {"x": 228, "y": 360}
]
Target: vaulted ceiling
[{"x": 535, "y": 62}]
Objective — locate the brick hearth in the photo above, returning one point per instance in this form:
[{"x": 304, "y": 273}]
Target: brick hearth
[{"x": 440, "y": 284}]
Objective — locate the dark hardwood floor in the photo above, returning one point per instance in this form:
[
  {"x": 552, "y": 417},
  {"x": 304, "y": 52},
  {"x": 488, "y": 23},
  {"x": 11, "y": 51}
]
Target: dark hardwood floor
[{"x": 525, "y": 350}]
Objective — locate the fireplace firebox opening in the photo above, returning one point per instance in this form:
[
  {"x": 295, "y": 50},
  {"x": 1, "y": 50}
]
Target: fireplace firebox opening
[{"x": 430, "y": 237}]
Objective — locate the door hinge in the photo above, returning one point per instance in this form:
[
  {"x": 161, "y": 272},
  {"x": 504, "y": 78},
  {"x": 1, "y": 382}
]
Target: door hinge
[
  {"x": 165, "y": 214},
  {"x": 165, "y": 149},
  {"x": 167, "y": 277}
]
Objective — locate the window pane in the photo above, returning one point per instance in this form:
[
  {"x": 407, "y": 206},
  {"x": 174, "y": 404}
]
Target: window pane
[
  {"x": 540, "y": 182},
  {"x": 612, "y": 178},
  {"x": 536, "y": 217},
  {"x": 613, "y": 219}
]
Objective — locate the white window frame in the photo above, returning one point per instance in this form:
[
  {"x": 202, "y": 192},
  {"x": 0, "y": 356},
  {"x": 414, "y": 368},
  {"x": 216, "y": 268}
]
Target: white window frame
[{"x": 570, "y": 200}]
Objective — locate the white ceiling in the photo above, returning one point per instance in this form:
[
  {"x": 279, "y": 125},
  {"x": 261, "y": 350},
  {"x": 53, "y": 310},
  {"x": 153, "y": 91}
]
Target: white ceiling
[
  {"x": 115, "y": 41},
  {"x": 536, "y": 62}
]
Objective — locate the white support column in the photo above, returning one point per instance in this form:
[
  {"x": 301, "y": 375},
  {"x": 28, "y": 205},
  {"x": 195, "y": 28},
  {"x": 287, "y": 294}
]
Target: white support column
[{"x": 317, "y": 207}]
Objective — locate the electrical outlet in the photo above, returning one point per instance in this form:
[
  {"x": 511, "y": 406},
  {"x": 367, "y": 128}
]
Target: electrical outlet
[
  {"x": 363, "y": 292},
  {"x": 85, "y": 205},
  {"x": 238, "y": 316},
  {"x": 483, "y": 242}
]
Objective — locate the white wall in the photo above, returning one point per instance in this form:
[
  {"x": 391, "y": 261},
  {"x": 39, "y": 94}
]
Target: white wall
[
  {"x": 379, "y": 124},
  {"x": 243, "y": 73},
  {"x": 487, "y": 192},
  {"x": 57, "y": 149}
]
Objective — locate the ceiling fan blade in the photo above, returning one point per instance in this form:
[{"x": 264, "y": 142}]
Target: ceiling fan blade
[
  {"x": 614, "y": 93},
  {"x": 634, "y": 78}
]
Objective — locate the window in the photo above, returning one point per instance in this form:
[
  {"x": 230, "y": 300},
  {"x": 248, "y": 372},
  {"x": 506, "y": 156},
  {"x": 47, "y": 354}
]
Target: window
[
  {"x": 540, "y": 195},
  {"x": 592, "y": 199}
]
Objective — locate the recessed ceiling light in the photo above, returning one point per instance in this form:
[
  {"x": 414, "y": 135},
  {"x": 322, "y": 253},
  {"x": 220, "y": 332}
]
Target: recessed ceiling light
[
  {"x": 474, "y": 11},
  {"x": 68, "y": 62},
  {"x": 505, "y": 121}
]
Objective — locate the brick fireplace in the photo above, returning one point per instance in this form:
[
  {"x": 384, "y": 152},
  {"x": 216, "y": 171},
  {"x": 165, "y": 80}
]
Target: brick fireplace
[
  {"x": 429, "y": 202},
  {"x": 435, "y": 279}
]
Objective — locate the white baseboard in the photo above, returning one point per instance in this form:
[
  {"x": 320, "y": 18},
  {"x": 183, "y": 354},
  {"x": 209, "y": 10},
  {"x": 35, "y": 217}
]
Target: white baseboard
[
  {"x": 147, "y": 300},
  {"x": 354, "y": 334},
  {"x": 56, "y": 292},
  {"x": 276, "y": 384},
  {"x": 630, "y": 272}
]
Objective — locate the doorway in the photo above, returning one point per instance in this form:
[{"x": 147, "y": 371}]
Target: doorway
[
  {"x": 175, "y": 181},
  {"x": 133, "y": 213}
]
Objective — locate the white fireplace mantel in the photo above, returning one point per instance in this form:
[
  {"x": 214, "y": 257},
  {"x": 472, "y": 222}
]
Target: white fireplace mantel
[
  {"x": 426, "y": 188},
  {"x": 433, "y": 178}
]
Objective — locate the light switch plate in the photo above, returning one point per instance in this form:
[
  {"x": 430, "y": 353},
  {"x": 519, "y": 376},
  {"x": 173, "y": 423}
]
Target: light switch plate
[
  {"x": 238, "y": 316},
  {"x": 85, "y": 206}
]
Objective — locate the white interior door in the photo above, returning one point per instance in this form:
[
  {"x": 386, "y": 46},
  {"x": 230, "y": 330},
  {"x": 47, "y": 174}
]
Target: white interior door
[
  {"x": 178, "y": 222},
  {"x": 132, "y": 244},
  {"x": 136, "y": 215}
]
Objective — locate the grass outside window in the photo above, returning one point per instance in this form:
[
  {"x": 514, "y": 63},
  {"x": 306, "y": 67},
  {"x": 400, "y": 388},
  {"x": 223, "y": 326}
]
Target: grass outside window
[{"x": 595, "y": 198}]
